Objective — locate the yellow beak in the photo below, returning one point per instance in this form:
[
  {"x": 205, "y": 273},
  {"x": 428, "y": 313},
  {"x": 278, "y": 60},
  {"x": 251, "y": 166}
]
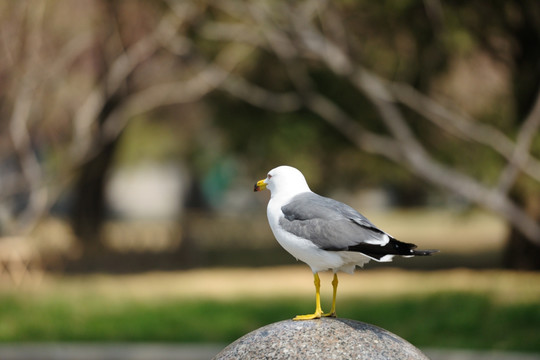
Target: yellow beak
[{"x": 260, "y": 185}]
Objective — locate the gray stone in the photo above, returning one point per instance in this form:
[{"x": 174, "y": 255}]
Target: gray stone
[{"x": 324, "y": 338}]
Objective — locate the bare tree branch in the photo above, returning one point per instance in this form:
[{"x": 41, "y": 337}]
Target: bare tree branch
[
  {"x": 422, "y": 164},
  {"x": 521, "y": 159},
  {"x": 162, "y": 95},
  {"x": 205, "y": 81},
  {"x": 85, "y": 129},
  {"x": 260, "y": 97},
  {"x": 466, "y": 128},
  {"x": 19, "y": 133},
  {"x": 351, "y": 129}
]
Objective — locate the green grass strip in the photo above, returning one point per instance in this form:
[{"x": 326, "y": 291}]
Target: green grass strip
[{"x": 449, "y": 320}]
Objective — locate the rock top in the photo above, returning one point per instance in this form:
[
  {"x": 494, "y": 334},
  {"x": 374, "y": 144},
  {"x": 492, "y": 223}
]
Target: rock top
[{"x": 325, "y": 338}]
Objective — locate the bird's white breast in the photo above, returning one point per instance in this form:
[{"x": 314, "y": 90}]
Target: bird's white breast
[{"x": 301, "y": 249}]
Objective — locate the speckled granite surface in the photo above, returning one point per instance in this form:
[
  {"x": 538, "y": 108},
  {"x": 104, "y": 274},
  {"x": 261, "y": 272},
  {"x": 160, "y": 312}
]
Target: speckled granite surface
[{"x": 324, "y": 338}]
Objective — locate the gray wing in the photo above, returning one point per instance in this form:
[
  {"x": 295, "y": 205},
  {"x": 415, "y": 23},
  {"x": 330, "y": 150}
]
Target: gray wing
[{"x": 328, "y": 223}]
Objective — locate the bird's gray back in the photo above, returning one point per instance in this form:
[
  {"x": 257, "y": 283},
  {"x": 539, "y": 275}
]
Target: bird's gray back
[{"x": 328, "y": 223}]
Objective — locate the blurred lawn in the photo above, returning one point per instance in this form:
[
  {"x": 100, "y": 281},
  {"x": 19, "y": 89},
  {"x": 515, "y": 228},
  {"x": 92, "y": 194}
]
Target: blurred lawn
[
  {"x": 446, "y": 320},
  {"x": 451, "y": 309}
]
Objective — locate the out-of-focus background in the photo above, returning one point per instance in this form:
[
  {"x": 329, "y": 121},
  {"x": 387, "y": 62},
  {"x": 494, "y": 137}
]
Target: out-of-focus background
[{"x": 132, "y": 132}]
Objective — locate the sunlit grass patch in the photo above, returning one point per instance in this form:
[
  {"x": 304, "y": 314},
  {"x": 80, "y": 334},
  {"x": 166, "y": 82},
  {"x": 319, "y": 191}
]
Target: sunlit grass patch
[
  {"x": 452, "y": 320},
  {"x": 455, "y": 320}
]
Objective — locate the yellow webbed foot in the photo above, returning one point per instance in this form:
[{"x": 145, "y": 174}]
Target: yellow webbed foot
[
  {"x": 318, "y": 311},
  {"x": 315, "y": 315},
  {"x": 330, "y": 314}
]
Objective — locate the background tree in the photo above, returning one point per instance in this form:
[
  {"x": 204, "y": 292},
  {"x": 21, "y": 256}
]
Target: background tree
[
  {"x": 510, "y": 33},
  {"x": 447, "y": 92},
  {"x": 313, "y": 37}
]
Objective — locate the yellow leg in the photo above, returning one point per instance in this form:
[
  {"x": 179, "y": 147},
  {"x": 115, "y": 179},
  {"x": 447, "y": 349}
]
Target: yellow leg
[
  {"x": 332, "y": 312},
  {"x": 318, "y": 311}
]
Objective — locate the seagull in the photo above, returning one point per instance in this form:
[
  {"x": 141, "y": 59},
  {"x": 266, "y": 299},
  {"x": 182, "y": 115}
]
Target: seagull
[{"x": 324, "y": 233}]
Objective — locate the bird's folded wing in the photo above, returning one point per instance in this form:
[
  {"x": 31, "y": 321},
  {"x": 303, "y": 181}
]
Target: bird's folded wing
[{"x": 329, "y": 224}]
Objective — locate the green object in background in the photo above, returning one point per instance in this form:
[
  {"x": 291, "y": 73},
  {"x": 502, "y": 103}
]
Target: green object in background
[{"x": 217, "y": 180}]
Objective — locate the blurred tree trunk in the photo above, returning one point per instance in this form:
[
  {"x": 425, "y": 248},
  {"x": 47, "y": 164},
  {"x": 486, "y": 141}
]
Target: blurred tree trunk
[
  {"x": 195, "y": 205},
  {"x": 520, "y": 252},
  {"x": 89, "y": 206}
]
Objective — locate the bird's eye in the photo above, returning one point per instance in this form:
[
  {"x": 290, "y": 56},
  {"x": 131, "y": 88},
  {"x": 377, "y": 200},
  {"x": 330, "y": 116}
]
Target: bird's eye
[{"x": 269, "y": 176}]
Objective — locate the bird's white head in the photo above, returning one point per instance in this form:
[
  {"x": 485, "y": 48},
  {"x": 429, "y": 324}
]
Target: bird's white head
[{"x": 283, "y": 181}]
